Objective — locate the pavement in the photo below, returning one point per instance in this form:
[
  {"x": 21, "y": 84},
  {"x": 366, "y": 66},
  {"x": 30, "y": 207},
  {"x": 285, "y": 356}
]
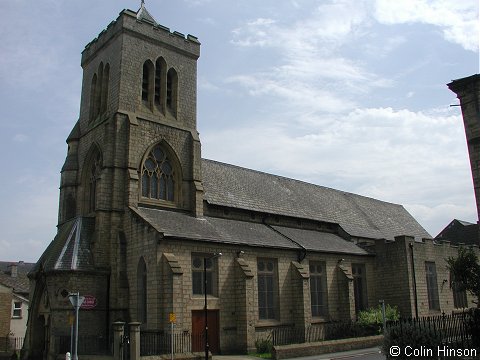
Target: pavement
[{"x": 362, "y": 354}]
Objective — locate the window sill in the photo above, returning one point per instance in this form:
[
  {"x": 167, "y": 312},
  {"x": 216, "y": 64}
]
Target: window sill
[
  {"x": 202, "y": 296},
  {"x": 160, "y": 202},
  {"x": 267, "y": 323},
  {"x": 320, "y": 320}
]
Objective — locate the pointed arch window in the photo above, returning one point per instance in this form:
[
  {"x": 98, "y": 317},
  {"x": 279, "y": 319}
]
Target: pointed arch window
[
  {"x": 142, "y": 291},
  {"x": 93, "y": 89},
  {"x": 160, "y": 83},
  {"x": 99, "y": 91},
  {"x": 158, "y": 176},
  {"x": 159, "y": 90},
  {"x": 147, "y": 83},
  {"x": 172, "y": 90},
  {"x": 104, "y": 92},
  {"x": 94, "y": 176}
]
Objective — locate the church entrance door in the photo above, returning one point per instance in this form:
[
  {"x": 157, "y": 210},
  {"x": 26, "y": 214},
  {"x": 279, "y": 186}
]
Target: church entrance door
[{"x": 198, "y": 331}]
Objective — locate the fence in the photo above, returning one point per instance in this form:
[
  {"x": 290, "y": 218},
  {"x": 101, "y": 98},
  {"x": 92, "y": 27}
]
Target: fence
[
  {"x": 158, "y": 342},
  {"x": 87, "y": 345},
  {"x": 10, "y": 343},
  {"x": 461, "y": 330}
]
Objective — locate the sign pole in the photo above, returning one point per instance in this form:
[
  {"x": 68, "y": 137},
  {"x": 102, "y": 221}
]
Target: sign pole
[
  {"x": 76, "y": 300},
  {"x": 71, "y": 333},
  {"x": 172, "y": 319},
  {"x": 77, "y": 307}
]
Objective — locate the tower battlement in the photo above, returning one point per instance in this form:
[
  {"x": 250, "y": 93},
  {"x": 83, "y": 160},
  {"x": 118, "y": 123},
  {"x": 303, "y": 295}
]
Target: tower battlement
[{"x": 129, "y": 22}]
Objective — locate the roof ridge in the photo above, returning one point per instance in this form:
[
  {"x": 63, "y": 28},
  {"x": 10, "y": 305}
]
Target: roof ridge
[{"x": 343, "y": 192}]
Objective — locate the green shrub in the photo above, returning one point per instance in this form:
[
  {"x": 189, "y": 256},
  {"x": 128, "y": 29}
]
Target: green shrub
[
  {"x": 473, "y": 327},
  {"x": 373, "y": 316},
  {"x": 264, "y": 346},
  {"x": 336, "y": 330},
  {"x": 412, "y": 335}
]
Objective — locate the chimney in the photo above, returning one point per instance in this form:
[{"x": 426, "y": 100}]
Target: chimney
[{"x": 13, "y": 270}]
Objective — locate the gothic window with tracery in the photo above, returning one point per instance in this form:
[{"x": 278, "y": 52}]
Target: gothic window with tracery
[{"x": 158, "y": 176}]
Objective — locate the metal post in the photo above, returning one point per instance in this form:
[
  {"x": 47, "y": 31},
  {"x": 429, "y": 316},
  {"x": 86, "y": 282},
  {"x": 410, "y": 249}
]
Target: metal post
[
  {"x": 76, "y": 300},
  {"x": 172, "y": 341},
  {"x": 77, "y": 307},
  {"x": 71, "y": 339},
  {"x": 383, "y": 315},
  {"x": 412, "y": 257},
  {"x": 206, "y": 311}
]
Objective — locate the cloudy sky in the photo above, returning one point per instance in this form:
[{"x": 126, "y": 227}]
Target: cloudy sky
[{"x": 349, "y": 94}]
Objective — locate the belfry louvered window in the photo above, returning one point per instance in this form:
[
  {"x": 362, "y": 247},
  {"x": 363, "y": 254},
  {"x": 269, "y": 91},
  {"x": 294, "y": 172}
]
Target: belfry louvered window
[{"x": 158, "y": 176}]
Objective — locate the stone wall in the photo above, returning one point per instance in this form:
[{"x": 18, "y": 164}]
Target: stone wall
[
  {"x": 170, "y": 285},
  {"x": 395, "y": 274}
]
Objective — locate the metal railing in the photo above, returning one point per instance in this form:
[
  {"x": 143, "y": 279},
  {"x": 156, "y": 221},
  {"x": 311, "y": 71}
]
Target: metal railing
[
  {"x": 10, "y": 343},
  {"x": 87, "y": 345},
  {"x": 460, "y": 329},
  {"x": 158, "y": 342}
]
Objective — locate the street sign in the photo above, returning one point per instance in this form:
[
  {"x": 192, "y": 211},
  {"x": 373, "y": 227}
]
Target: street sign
[
  {"x": 89, "y": 302},
  {"x": 76, "y": 300},
  {"x": 172, "y": 318}
]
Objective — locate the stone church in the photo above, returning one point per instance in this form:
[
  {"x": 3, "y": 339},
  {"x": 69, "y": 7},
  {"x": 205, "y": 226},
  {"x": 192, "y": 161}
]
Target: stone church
[{"x": 141, "y": 213}]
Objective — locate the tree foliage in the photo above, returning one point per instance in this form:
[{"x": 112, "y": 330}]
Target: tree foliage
[{"x": 465, "y": 271}]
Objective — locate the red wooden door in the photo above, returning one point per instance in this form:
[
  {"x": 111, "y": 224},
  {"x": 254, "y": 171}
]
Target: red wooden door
[{"x": 198, "y": 331}]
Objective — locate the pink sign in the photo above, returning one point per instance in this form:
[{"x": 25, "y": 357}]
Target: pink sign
[{"x": 89, "y": 302}]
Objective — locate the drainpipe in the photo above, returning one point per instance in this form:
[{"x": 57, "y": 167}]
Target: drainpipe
[{"x": 414, "y": 279}]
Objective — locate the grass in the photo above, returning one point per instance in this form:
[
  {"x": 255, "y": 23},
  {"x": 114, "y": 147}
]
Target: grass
[{"x": 262, "y": 356}]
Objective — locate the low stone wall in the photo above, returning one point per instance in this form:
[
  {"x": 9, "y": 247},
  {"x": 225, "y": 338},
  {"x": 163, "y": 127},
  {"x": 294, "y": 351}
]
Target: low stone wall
[{"x": 325, "y": 347}]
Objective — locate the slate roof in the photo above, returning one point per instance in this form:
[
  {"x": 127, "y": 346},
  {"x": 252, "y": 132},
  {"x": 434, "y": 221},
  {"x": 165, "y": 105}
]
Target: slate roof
[
  {"x": 70, "y": 249},
  {"x": 460, "y": 232},
  {"x": 218, "y": 230},
  {"x": 20, "y": 283},
  {"x": 360, "y": 216}
]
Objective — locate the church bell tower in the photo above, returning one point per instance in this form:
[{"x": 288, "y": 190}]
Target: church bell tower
[{"x": 136, "y": 139}]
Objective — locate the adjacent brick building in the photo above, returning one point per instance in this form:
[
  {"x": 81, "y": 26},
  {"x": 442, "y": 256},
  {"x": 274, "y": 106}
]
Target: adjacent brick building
[
  {"x": 141, "y": 214},
  {"x": 14, "y": 293}
]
